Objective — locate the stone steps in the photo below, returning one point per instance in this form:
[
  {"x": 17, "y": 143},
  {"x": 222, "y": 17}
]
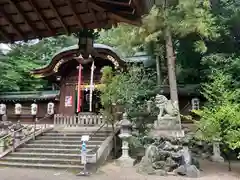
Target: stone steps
[
  {"x": 78, "y": 134},
  {"x": 48, "y": 155},
  {"x": 65, "y": 142},
  {"x": 42, "y": 160},
  {"x": 60, "y": 146},
  {"x": 34, "y": 165},
  {"x": 69, "y": 138},
  {"x": 54, "y": 150}
]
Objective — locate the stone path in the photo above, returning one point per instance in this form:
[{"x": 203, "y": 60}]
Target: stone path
[{"x": 211, "y": 171}]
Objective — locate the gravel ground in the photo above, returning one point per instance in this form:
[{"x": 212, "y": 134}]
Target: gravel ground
[{"x": 211, "y": 171}]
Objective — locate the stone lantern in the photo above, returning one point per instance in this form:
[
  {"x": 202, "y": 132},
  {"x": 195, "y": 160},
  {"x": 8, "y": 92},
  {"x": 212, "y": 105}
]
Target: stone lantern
[
  {"x": 50, "y": 108},
  {"x": 86, "y": 43},
  {"x": 126, "y": 132}
]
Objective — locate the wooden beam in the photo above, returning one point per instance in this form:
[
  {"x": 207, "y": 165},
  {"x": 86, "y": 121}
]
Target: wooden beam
[
  {"x": 117, "y": 3},
  {"x": 121, "y": 4},
  {"x": 115, "y": 16},
  {"x": 93, "y": 13},
  {"x": 4, "y": 35},
  {"x": 127, "y": 12},
  {"x": 41, "y": 16},
  {"x": 138, "y": 6},
  {"x": 73, "y": 8},
  {"x": 58, "y": 16},
  {"x": 9, "y": 20},
  {"x": 23, "y": 14},
  {"x": 96, "y": 7},
  {"x": 122, "y": 19}
]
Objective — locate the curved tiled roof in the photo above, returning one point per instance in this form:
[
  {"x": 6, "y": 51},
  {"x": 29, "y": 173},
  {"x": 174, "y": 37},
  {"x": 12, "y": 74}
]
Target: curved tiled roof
[
  {"x": 65, "y": 52},
  {"x": 95, "y": 45}
]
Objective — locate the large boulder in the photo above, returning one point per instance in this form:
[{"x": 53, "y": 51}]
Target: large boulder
[
  {"x": 169, "y": 155},
  {"x": 188, "y": 170}
]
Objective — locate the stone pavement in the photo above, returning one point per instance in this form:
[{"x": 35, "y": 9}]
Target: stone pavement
[{"x": 211, "y": 171}]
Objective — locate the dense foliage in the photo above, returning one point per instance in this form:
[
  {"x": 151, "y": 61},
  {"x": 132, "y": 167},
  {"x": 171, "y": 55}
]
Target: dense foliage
[
  {"x": 24, "y": 57},
  {"x": 220, "y": 117},
  {"x": 128, "y": 89},
  {"x": 199, "y": 30},
  {"x": 131, "y": 90}
]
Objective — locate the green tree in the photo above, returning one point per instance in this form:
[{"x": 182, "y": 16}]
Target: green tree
[
  {"x": 166, "y": 24},
  {"x": 128, "y": 89},
  {"x": 220, "y": 117},
  {"x": 227, "y": 63}
]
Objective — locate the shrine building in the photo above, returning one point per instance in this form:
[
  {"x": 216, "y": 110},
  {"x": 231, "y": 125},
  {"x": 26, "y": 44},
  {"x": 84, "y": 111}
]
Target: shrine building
[{"x": 64, "y": 76}]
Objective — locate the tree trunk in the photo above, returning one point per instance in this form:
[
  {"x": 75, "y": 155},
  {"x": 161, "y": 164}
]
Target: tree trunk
[{"x": 171, "y": 60}]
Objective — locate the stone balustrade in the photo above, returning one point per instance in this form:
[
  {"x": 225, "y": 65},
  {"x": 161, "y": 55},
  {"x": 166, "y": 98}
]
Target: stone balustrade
[{"x": 78, "y": 120}]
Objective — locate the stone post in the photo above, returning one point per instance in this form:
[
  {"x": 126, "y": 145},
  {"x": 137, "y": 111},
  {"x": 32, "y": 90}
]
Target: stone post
[
  {"x": 125, "y": 160},
  {"x": 216, "y": 153},
  {"x": 149, "y": 106},
  {"x": 2, "y": 145},
  {"x": 2, "y": 110},
  {"x": 18, "y": 134},
  {"x": 3, "y": 141}
]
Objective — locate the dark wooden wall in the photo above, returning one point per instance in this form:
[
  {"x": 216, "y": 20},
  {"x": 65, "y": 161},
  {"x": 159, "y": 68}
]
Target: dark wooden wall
[{"x": 26, "y": 116}]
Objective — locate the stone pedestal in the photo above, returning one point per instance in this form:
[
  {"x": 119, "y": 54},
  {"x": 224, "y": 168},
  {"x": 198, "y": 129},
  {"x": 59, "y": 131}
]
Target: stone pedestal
[
  {"x": 2, "y": 146},
  {"x": 167, "y": 123},
  {"x": 17, "y": 138},
  {"x": 216, "y": 153},
  {"x": 125, "y": 160},
  {"x": 167, "y": 126},
  {"x": 157, "y": 133}
]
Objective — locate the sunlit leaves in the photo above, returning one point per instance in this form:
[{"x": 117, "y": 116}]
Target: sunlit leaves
[
  {"x": 193, "y": 16},
  {"x": 220, "y": 118}
]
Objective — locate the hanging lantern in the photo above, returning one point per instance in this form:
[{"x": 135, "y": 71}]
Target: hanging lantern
[
  {"x": 50, "y": 108},
  {"x": 85, "y": 42},
  {"x": 85, "y": 39},
  {"x": 18, "y": 109},
  {"x": 2, "y": 109},
  {"x": 34, "y": 109}
]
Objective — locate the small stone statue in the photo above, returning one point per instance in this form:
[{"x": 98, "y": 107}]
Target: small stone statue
[
  {"x": 167, "y": 123},
  {"x": 166, "y": 106},
  {"x": 161, "y": 102}
]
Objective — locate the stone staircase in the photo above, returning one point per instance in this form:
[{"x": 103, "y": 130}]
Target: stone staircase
[{"x": 59, "y": 149}]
